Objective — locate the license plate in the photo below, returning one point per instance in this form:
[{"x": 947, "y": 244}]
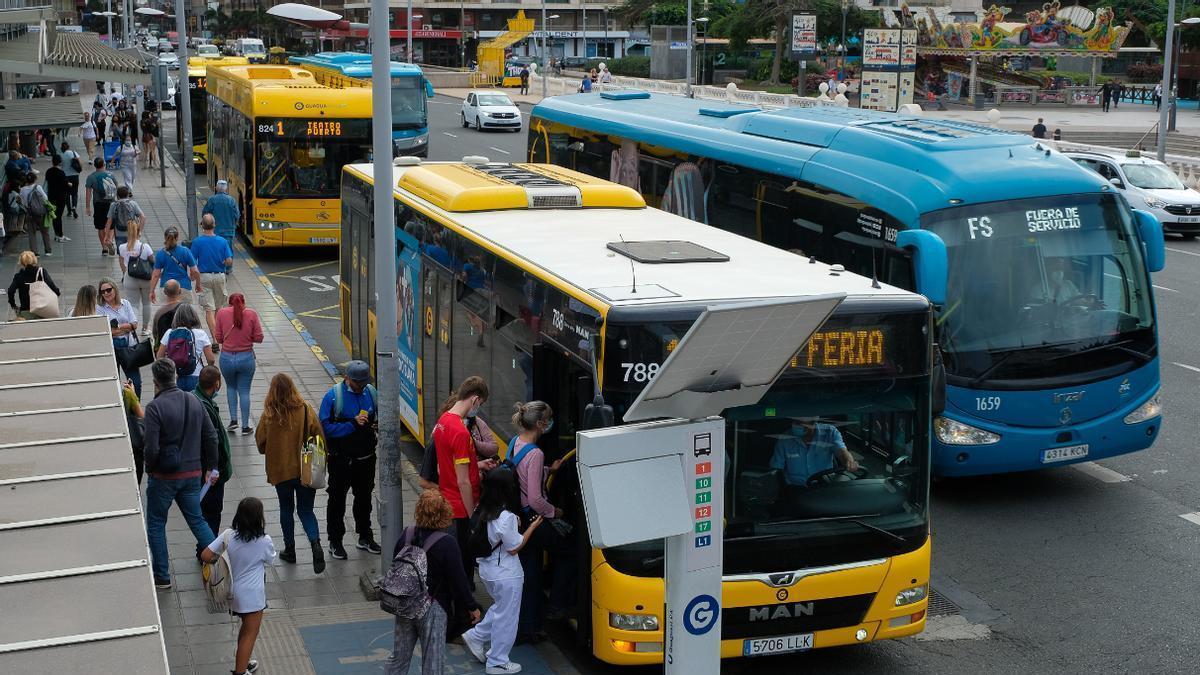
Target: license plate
[
  {"x": 1189, "y": 219},
  {"x": 777, "y": 645},
  {"x": 1064, "y": 453},
  {"x": 322, "y": 240}
]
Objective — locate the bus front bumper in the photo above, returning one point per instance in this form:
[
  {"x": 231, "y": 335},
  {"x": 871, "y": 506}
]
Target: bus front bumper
[
  {"x": 411, "y": 146},
  {"x": 295, "y": 234}
]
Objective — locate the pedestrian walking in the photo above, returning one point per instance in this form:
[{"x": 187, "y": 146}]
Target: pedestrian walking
[
  {"x": 1158, "y": 90},
  {"x": 100, "y": 191},
  {"x": 213, "y": 256},
  {"x": 28, "y": 273},
  {"x": 135, "y": 421},
  {"x": 287, "y": 420},
  {"x": 348, "y": 416},
  {"x": 224, "y": 210},
  {"x": 87, "y": 301},
  {"x": 1118, "y": 90},
  {"x": 164, "y": 316},
  {"x": 181, "y": 446},
  {"x": 457, "y": 463},
  {"x": 446, "y": 582},
  {"x": 123, "y": 324},
  {"x": 136, "y": 259},
  {"x": 238, "y": 329},
  {"x": 58, "y": 192},
  {"x": 212, "y": 502},
  {"x": 186, "y": 345},
  {"x": 1105, "y": 96},
  {"x": 72, "y": 167},
  {"x": 524, "y": 79},
  {"x": 122, "y": 212},
  {"x": 39, "y": 214},
  {"x": 250, "y": 550},
  {"x": 87, "y": 131},
  {"x": 173, "y": 262},
  {"x": 100, "y": 117},
  {"x": 502, "y": 574},
  {"x": 127, "y": 156},
  {"x": 149, "y": 137},
  {"x": 1039, "y": 129}
]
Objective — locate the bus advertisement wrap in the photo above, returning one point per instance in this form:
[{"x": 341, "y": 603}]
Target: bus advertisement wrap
[{"x": 408, "y": 269}]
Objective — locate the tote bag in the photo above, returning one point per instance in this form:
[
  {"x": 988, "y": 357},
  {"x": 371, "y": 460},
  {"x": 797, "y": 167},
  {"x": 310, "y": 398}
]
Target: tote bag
[
  {"x": 43, "y": 302},
  {"x": 313, "y": 459}
]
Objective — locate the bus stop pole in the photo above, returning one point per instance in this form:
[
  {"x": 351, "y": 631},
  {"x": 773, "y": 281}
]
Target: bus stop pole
[
  {"x": 185, "y": 125},
  {"x": 387, "y": 373}
]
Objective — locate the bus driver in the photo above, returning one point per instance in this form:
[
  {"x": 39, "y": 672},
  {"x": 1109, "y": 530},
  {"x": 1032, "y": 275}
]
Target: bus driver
[{"x": 809, "y": 450}]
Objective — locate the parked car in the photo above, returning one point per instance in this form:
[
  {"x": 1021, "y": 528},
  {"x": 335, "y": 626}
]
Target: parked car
[
  {"x": 1148, "y": 184},
  {"x": 486, "y": 109}
]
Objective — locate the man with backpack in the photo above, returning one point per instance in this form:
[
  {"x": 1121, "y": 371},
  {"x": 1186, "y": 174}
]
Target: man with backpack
[
  {"x": 37, "y": 212},
  {"x": 348, "y": 416},
  {"x": 99, "y": 194},
  {"x": 180, "y": 447},
  {"x": 121, "y": 212}
]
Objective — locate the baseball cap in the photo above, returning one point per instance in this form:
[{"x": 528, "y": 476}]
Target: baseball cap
[
  {"x": 358, "y": 371},
  {"x": 222, "y": 183}
]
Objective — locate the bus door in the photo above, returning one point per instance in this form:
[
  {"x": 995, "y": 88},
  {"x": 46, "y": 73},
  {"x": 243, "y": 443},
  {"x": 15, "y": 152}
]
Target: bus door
[{"x": 437, "y": 301}]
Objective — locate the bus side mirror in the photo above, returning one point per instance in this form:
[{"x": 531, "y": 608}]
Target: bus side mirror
[
  {"x": 929, "y": 262},
  {"x": 428, "y": 87},
  {"x": 1150, "y": 230},
  {"x": 938, "y": 382}
]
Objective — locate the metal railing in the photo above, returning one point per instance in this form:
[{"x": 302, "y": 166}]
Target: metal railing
[{"x": 556, "y": 86}]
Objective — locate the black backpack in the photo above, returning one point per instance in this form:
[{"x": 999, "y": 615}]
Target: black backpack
[{"x": 478, "y": 544}]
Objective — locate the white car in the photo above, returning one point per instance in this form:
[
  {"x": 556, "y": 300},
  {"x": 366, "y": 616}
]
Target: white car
[
  {"x": 169, "y": 59},
  {"x": 208, "y": 52},
  {"x": 1149, "y": 185},
  {"x": 490, "y": 110}
]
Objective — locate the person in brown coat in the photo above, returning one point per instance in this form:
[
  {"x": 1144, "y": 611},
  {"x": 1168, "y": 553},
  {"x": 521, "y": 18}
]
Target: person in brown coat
[{"x": 285, "y": 422}]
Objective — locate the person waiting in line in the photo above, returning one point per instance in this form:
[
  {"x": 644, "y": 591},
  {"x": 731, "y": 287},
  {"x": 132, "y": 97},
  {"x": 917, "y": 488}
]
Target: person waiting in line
[
  {"x": 86, "y": 301},
  {"x": 175, "y": 419},
  {"x": 210, "y": 506},
  {"x": 18, "y": 291},
  {"x": 201, "y": 345},
  {"x": 533, "y": 419},
  {"x": 238, "y": 329},
  {"x": 446, "y": 583},
  {"x": 482, "y": 436},
  {"x": 457, "y": 463},
  {"x": 136, "y": 249},
  {"x": 287, "y": 420},
  {"x": 811, "y": 448},
  {"x": 213, "y": 256},
  {"x": 123, "y": 323},
  {"x": 502, "y": 573},
  {"x": 175, "y": 262},
  {"x": 348, "y": 416},
  {"x": 250, "y": 550}
]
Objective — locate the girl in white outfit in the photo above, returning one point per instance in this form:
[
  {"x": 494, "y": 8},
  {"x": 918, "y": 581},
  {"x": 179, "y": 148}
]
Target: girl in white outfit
[
  {"x": 250, "y": 550},
  {"x": 501, "y": 573},
  {"x": 133, "y": 249}
]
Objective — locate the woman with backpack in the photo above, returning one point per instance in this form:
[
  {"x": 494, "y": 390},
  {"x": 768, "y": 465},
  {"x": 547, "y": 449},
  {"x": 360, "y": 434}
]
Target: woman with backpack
[
  {"x": 286, "y": 421},
  {"x": 445, "y": 582},
  {"x": 184, "y": 344},
  {"x": 237, "y": 331},
  {"x": 37, "y": 213},
  {"x": 123, "y": 322},
  {"x": 137, "y": 266},
  {"x": 500, "y": 569},
  {"x": 249, "y": 549}
]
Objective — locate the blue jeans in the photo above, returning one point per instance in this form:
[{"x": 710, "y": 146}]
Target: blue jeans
[
  {"x": 294, "y": 495},
  {"x": 238, "y": 370},
  {"x": 159, "y": 494},
  {"x": 187, "y": 382}
]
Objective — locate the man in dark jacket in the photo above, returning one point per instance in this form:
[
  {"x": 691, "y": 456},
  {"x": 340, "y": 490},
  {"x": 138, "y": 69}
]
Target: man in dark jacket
[
  {"x": 348, "y": 418},
  {"x": 210, "y": 505},
  {"x": 181, "y": 446}
]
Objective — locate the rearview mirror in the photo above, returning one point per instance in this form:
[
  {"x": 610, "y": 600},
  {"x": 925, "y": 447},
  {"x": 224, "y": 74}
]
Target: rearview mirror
[
  {"x": 1117, "y": 183},
  {"x": 929, "y": 262},
  {"x": 938, "y": 382},
  {"x": 1153, "y": 245}
]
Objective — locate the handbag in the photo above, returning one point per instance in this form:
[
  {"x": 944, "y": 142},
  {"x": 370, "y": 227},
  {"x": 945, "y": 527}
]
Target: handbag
[
  {"x": 218, "y": 579},
  {"x": 139, "y": 267},
  {"x": 313, "y": 459},
  {"x": 43, "y": 302},
  {"x": 136, "y": 355}
]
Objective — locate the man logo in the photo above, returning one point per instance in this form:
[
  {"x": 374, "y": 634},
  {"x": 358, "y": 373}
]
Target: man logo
[{"x": 701, "y": 614}]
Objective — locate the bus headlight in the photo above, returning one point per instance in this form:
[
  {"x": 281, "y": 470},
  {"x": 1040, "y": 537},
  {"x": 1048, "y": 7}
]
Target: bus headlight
[
  {"x": 952, "y": 432},
  {"x": 910, "y": 595},
  {"x": 1148, "y": 410},
  {"x": 633, "y": 621},
  {"x": 420, "y": 140},
  {"x": 271, "y": 225}
]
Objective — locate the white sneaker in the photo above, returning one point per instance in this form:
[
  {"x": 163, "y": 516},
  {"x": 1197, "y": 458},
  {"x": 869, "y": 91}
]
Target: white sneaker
[
  {"x": 475, "y": 646},
  {"x": 505, "y": 669}
]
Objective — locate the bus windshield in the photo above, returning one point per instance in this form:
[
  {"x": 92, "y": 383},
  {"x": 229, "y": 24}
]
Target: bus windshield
[
  {"x": 199, "y": 99},
  {"x": 408, "y": 103},
  {"x": 303, "y": 159},
  {"x": 1052, "y": 288}
]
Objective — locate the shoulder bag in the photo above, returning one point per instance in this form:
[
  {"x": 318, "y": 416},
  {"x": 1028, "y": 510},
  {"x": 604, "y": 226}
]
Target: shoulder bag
[
  {"x": 137, "y": 355},
  {"x": 43, "y": 302},
  {"x": 139, "y": 267},
  {"x": 313, "y": 458}
]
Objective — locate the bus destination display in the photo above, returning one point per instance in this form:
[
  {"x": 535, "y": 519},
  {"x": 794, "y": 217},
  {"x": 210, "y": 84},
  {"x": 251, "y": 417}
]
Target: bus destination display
[
  {"x": 308, "y": 128},
  {"x": 839, "y": 349}
]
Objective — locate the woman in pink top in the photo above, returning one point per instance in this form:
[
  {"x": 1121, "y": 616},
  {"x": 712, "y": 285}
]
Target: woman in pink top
[{"x": 237, "y": 331}]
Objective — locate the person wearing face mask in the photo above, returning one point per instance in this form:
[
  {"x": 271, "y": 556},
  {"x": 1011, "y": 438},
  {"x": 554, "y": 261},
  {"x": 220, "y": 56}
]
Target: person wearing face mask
[
  {"x": 811, "y": 449},
  {"x": 348, "y": 416},
  {"x": 458, "y": 470},
  {"x": 1058, "y": 288}
]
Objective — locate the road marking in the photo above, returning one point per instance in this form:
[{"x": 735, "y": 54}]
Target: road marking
[
  {"x": 450, "y": 134},
  {"x": 1179, "y": 250},
  {"x": 290, "y": 272},
  {"x": 316, "y": 313},
  {"x": 316, "y": 282},
  {"x": 1100, "y": 473},
  {"x": 1192, "y": 517},
  {"x": 492, "y": 147},
  {"x": 1184, "y": 365},
  {"x": 1161, "y": 288}
]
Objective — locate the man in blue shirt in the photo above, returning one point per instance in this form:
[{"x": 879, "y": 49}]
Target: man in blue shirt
[
  {"x": 175, "y": 262},
  {"x": 224, "y": 210},
  {"x": 348, "y": 416},
  {"x": 213, "y": 256},
  {"x": 810, "y": 450}
]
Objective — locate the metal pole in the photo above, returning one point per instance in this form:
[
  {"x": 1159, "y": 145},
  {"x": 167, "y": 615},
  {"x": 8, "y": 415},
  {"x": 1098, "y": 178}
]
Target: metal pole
[
  {"x": 690, "y": 29},
  {"x": 842, "y": 56},
  {"x": 185, "y": 124},
  {"x": 462, "y": 39},
  {"x": 408, "y": 53},
  {"x": 543, "y": 63},
  {"x": 1165, "y": 111},
  {"x": 387, "y": 374},
  {"x": 109, "y": 17},
  {"x": 583, "y": 6},
  {"x": 1175, "y": 81},
  {"x": 899, "y": 68}
]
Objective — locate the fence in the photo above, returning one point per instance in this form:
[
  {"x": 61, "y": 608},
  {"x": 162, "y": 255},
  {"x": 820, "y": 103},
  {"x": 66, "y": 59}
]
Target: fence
[
  {"x": 1067, "y": 96},
  {"x": 556, "y": 86}
]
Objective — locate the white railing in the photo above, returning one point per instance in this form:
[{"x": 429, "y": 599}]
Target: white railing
[{"x": 556, "y": 86}]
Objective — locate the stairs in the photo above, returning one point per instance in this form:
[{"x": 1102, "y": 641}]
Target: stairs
[
  {"x": 1177, "y": 144},
  {"x": 491, "y": 53}
]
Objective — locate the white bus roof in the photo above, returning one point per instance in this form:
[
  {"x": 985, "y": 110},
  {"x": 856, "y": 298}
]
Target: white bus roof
[
  {"x": 75, "y": 580},
  {"x": 572, "y": 244}
]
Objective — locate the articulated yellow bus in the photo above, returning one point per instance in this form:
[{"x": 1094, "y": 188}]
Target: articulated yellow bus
[
  {"x": 281, "y": 139},
  {"x": 197, "y": 77},
  {"x": 554, "y": 285}
]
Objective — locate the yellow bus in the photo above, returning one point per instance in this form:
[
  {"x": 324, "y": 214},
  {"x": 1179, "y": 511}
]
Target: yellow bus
[
  {"x": 281, "y": 139},
  {"x": 554, "y": 285},
  {"x": 197, "y": 77}
]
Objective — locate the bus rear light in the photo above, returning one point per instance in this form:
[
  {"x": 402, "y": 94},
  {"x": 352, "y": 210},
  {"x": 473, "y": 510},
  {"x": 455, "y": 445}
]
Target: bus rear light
[
  {"x": 953, "y": 432},
  {"x": 1146, "y": 411}
]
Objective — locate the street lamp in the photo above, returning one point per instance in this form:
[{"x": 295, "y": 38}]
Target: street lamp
[
  {"x": 1163, "y": 114},
  {"x": 109, "y": 14},
  {"x": 411, "y": 17},
  {"x": 703, "y": 21},
  {"x": 545, "y": 31},
  {"x": 1173, "y": 91}
]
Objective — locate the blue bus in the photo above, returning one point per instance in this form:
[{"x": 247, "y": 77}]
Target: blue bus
[
  {"x": 1039, "y": 270},
  {"x": 410, "y": 89}
]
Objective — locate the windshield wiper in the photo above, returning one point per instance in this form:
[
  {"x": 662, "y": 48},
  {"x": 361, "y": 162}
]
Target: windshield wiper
[
  {"x": 275, "y": 201},
  {"x": 996, "y": 363},
  {"x": 1119, "y": 346},
  {"x": 857, "y": 520}
]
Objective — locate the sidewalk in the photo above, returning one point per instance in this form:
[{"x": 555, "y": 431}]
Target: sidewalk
[{"x": 315, "y": 623}]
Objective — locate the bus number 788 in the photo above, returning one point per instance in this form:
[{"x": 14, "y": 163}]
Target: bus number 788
[{"x": 640, "y": 372}]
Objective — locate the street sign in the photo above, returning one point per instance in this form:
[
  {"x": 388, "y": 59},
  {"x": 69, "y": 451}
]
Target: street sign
[
  {"x": 804, "y": 37},
  {"x": 158, "y": 83}
]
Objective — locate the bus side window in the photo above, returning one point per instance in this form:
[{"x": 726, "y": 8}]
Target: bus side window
[
  {"x": 732, "y": 203},
  {"x": 654, "y": 174}
]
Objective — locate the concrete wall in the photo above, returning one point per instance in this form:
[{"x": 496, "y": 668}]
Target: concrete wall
[{"x": 442, "y": 79}]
